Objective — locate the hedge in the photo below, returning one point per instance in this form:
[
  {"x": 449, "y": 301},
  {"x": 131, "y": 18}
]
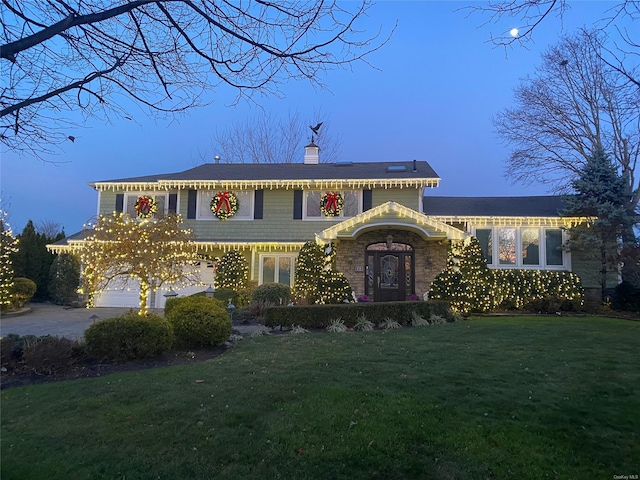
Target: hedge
[{"x": 319, "y": 316}]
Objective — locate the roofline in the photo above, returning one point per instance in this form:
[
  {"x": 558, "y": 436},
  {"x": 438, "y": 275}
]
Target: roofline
[
  {"x": 513, "y": 220},
  {"x": 351, "y": 183}
]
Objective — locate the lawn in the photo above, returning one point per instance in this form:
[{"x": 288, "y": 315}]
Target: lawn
[{"x": 499, "y": 398}]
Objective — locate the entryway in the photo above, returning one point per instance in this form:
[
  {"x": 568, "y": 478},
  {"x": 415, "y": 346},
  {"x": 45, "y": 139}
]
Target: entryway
[{"x": 389, "y": 271}]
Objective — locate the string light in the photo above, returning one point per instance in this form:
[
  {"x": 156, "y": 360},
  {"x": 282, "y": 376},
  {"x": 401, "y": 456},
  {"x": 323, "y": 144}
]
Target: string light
[{"x": 9, "y": 246}]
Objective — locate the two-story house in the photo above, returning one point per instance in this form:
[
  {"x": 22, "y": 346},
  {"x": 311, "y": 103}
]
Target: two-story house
[{"x": 391, "y": 235}]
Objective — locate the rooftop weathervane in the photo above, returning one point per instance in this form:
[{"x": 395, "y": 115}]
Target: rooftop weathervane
[{"x": 315, "y": 130}]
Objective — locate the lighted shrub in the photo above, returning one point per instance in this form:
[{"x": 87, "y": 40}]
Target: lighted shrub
[
  {"x": 23, "y": 290},
  {"x": 200, "y": 323},
  {"x": 129, "y": 337},
  {"x": 334, "y": 287},
  {"x": 275, "y": 293},
  {"x": 232, "y": 272}
]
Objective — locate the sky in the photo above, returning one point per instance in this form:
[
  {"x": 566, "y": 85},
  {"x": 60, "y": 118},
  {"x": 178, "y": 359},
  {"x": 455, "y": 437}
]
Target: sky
[{"x": 436, "y": 85}]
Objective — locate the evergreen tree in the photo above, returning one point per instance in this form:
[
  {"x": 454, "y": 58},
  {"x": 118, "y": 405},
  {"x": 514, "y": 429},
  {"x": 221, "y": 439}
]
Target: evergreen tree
[
  {"x": 309, "y": 268},
  {"x": 232, "y": 271},
  {"x": 64, "y": 279},
  {"x": 601, "y": 195},
  {"x": 7, "y": 249},
  {"x": 466, "y": 280}
]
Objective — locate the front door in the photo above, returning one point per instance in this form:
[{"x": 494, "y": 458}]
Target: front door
[{"x": 389, "y": 272}]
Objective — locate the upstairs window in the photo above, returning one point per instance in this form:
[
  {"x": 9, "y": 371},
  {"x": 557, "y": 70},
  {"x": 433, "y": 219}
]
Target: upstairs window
[
  {"x": 352, "y": 204},
  {"x": 245, "y": 205},
  {"x": 130, "y": 200}
]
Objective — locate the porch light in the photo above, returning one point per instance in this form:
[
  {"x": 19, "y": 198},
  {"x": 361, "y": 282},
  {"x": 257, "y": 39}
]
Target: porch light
[{"x": 389, "y": 241}]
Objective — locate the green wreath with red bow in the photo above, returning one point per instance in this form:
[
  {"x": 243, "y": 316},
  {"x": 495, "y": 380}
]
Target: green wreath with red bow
[
  {"x": 224, "y": 205},
  {"x": 146, "y": 206},
  {"x": 331, "y": 204}
]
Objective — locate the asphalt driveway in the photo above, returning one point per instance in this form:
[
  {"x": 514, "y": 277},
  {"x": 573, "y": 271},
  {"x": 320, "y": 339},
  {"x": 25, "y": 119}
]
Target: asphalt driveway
[{"x": 48, "y": 319}]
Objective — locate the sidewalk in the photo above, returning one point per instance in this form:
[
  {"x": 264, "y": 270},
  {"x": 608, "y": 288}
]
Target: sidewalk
[{"x": 48, "y": 319}]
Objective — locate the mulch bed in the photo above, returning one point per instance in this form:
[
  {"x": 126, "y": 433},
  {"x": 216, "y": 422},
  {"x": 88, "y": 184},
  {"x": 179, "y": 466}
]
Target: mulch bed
[{"x": 21, "y": 375}]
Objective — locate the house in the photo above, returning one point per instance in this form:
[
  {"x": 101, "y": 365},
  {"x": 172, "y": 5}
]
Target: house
[{"x": 390, "y": 233}]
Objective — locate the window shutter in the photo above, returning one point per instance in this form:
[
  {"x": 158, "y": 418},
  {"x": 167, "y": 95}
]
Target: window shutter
[
  {"x": 191, "y": 204},
  {"x": 258, "y": 204},
  {"x": 297, "y": 204},
  {"x": 173, "y": 203},
  {"x": 367, "y": 200},
  {"x": 119, "y": 202}
]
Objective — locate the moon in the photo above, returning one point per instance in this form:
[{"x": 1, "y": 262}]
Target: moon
[{"x": 514, "y": 32}]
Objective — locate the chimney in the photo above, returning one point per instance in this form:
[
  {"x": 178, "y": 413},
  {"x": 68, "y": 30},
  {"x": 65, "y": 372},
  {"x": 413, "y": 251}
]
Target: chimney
[
  {"x": 415, "y": 166},
  {"x": 311, "y": 154}
]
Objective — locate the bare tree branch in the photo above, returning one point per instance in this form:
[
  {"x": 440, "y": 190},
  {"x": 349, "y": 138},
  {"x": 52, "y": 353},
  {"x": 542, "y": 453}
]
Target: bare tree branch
[{"x": 166, "y": 55}]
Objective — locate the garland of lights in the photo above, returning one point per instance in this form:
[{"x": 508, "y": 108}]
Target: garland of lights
[
  {"x": 146, "y": 206},
  {"x": 331, "y": 204},
  {"x": 224, "y": 205}
]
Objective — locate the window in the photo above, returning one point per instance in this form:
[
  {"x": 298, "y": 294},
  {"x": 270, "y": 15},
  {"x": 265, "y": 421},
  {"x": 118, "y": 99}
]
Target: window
[
  {"x": 523, "y": 247},
  {"x": 311, "y": 207},
  {"x": 131, "y": 199},
  {"x": 245, "y": 205},
  {"x": 507, "y": 246},
  {"x": 278, "y": 268},
  {"x": 485, "y": 238}
]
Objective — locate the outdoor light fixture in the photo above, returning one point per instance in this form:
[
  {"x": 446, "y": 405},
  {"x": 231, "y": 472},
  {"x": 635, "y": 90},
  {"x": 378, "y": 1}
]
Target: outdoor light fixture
[
  {"x": 93, "y": 318},
  {"x": 170, "y": 294},
  {"x": 389, "y": 241},
  {"x": 210, "y": 292},
  {"x": 230, "y": 308}
]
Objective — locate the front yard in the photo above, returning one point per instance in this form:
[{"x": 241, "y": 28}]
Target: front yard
[{"x": 527, "y": 398}]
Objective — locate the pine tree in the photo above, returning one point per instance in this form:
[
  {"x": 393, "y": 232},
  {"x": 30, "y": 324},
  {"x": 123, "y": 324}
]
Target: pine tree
[
  {"x": 64, "y": 279},
  {"x": 7, "y": 248},
  {"x": 601, "y": 195},
  {"x": 232, "y": 271},
  {"x": 309, "y": 267}
]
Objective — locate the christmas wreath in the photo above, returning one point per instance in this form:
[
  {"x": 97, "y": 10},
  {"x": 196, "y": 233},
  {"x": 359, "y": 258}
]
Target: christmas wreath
[
  {"x": 146, "y": 206},
  {"x": 331, "y": 204},
  {"x": 224, "y": 205}
]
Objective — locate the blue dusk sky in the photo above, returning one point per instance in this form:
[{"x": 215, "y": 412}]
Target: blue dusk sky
[{"x": 436, "y": 86}]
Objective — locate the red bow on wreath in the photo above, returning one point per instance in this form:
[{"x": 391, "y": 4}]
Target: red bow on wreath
[
  {"x": 332, "y": 202},
  {"x": 223, "y": 199},
  {"x": 144, "y": 205}
]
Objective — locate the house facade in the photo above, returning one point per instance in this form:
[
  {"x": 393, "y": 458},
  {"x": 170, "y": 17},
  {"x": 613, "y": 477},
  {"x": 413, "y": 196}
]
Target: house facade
[{"x": 390, "y": 233}]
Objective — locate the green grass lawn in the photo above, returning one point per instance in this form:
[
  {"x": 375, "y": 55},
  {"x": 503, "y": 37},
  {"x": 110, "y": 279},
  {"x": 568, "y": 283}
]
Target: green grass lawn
[{"x": 498, "y": 398}]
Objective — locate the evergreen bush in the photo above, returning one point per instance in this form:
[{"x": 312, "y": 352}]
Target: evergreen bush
[
  {"x": 171, "y": 303},
  {"x": 23, "y": 291},
  {"x": 232, "y": 271},
  {"x": 199, "y": 322},
  {"x": 129, "y": 336},
  {"x": 334, "y": 287},
  {"x": 307, "y": 273},
  {"x": 275, "y": 293},
  {"x": 64, "y": 279},
  {"x": 48, "y": 355}
]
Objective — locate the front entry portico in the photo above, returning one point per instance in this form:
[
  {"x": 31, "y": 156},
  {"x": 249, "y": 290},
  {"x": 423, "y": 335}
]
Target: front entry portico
[{"x": 389, "y": 271}]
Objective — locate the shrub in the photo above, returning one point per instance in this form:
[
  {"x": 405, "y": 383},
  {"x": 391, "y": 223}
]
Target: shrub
[
  {"x": 362, "y": 324},
  {"x": 336, "y": 326},
  {"x": 64, "y": 279},
  {"x": 626, "y": 297},
  {"x": 257, "y": 308},
  {"x": 298, "y": 330},
  {"x": 226, "y": 294},
  {"x": 418, "y": 320},
  {"x": 232, "y": 271},
  {"x": 129, "y": 336},
  {"x": 48, "y": 355},
  {"x": 389, "y": 324},
  {"x": 23, "y": 290},
  {"x": 171, "y": 303},
  {"x": 334, "y": 288},
  {"x": 11, "y": 350},
  {"x": 318, "y": 316},
  {"x": 275, "y": 293},
  {"x": 307, "y": 274},
  {"x": 553, "y": 305},
  {"x": 200, "y": 322}
]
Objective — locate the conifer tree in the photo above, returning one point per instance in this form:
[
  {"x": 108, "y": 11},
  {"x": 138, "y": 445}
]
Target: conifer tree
[
  {"x": 7, "y": 248},
  {"x": 309, "y": 268},
  {"x": 601, "y": 195},
  {"x": 232, "y": 271},
  {"x": 64, "y": 279}
]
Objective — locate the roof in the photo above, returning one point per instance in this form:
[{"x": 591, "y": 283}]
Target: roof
[
  {"x": 289, "y": 174},
  {"x": 532, "y": 206}
]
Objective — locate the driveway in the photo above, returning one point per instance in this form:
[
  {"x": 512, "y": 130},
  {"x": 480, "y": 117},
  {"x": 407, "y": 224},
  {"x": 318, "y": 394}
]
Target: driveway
[{"x": 47, "y": 319}]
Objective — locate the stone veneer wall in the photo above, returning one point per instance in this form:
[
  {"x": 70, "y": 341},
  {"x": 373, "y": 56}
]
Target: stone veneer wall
[{"x": 430, "y": 257}]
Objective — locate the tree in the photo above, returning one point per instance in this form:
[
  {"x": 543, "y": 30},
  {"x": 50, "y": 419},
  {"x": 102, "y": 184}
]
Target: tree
[
  {"x": 232, "y": 271},
  {"x": 531, "y": 13},
  {"x": 265, "y": 139},
  {"x": 309, "y": 268},
  {"x": 50, "y": 229},
  {"x": 163, "y": 55},
  {"x": 32, "y": 259},
  {"x": 64, "y": 279},
  {"x": 573, "y": 104},
  {"x": 120, "y": 248},
  {"x": 7, "y": 248},
  {"x": 601, "y": 195}
]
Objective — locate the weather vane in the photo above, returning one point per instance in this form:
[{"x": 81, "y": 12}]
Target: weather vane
[{"x": 315, "y": 130}]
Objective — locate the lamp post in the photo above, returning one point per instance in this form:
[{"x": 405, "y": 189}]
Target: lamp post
[
  {"x": 210, "y": 292},
  {"x": 93, "y": 318},
  {"x": 230, "y": 308}
]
